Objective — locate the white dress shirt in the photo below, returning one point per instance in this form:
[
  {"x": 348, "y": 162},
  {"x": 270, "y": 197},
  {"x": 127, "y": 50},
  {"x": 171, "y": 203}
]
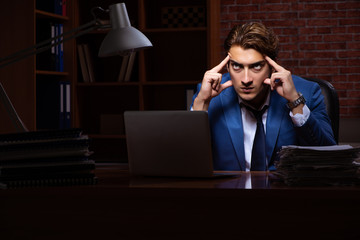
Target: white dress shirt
[{"x": 249, "y": 126}]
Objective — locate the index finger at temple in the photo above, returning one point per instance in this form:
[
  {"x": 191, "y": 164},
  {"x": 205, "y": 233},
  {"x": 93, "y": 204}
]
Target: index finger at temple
[
  {"x": 219, "y": 67},
  {"x": 274, "y": 64}
]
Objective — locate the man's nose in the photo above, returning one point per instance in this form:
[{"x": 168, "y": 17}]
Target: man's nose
[{"x": 246, "y": 80}]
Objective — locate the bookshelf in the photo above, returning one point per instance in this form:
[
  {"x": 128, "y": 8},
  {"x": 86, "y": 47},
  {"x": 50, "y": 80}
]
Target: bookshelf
[
  {"x": 24, "y": 81},
  {"x": 160, "y": 78}
]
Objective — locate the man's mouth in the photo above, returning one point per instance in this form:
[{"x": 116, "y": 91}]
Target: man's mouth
[{"x": 247, "y": 89}]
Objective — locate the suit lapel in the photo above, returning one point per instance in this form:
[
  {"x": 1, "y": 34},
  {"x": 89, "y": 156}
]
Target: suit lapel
[
  {"x": 276, "y": 113},
  {"x": 229, "y": 100}
]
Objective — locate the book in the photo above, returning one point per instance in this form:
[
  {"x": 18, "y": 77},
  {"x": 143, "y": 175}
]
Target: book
[
  {"x": 129, "y": 66},
  {"x": 61, "y": 48},
  {"x": 67, "y": 105},
  {"x": 124, "y": 64},
  {"x": 64, "y": 7},
  {"x": 189, "y": 98},
  {"x": 50, "y": 103},
  {"x": 58, "y": 7},
  {"x": 47, "y": 169},
  {"x": 62, "y": 105},
  {"x": 46, "y": 60},
  {"x": 53, "y": 47},
  {"x": 57, "y": 47},
  {"x": 83, "y": 66},
  {"x": 45, "y": 149},
  {"x": 89, "y": 62},
  {"x": 46, "y": 182},
  {"x": 33, "y": 136}
]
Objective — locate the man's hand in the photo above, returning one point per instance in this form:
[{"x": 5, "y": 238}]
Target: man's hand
[
  {"x": 211, "y": 86},
  {"x": 281, "y": 81}
]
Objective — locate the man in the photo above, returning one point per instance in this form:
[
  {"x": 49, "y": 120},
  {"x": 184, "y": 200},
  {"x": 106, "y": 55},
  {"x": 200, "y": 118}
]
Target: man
[{"x": 292, "y": 109}]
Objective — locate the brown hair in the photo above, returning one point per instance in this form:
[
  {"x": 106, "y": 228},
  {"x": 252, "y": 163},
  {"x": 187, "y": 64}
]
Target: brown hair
[{"x": 253, "y": 35}]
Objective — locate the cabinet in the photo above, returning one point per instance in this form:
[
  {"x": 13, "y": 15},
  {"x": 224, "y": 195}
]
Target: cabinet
[{"x": 24, "y": 25}]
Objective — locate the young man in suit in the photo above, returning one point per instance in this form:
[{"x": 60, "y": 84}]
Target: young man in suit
[{"x": 292, "y": 109}]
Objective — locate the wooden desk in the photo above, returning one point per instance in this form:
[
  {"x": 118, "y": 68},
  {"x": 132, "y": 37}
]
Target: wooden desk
[{"x": 120, "y": 207}]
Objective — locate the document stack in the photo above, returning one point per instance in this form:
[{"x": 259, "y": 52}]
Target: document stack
[
  {"x": 318, "y": 166},
  {"x": 45, "y": 158}
]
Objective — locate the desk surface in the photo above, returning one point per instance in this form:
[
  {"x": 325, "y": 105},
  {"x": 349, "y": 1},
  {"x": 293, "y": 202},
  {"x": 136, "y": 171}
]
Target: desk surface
[{"x": 174, "y": 208}]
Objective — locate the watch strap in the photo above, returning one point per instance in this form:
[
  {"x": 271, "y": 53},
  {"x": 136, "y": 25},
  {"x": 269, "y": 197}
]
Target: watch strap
[{"x": 297, "y": 102}]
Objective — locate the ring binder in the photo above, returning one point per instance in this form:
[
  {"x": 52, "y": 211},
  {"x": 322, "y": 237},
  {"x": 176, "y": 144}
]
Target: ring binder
[{"x": 46, "y": 158}]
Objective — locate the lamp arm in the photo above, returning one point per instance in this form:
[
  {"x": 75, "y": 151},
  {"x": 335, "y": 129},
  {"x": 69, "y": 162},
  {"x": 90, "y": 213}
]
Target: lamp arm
[
  {"x": 92, "y": 25},
  {"x": 16, "y": 120},
  {"x": 38, "y": 48},
  {"x": 41, "y": 47},
  {"x": 118, "y": 15}
]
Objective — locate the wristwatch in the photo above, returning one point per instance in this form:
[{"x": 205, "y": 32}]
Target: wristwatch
[{"x": 297, "y": 102}]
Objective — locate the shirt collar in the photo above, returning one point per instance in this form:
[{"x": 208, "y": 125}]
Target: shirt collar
[{"x": 266, "y": 103}]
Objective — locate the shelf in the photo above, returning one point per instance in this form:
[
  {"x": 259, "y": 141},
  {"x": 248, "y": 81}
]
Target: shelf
[
  {"x": 44, "y": 14},
  {"x": 163, "y": 77},
  {"x": 171, "y": 30},
  {"x": 54, "y": 73},
  {"x": 171, "y": 83},
  {"x": 119, "y": 84},
  {"x": 107, "y": 84},
  {"x": 25, "y": 25},
  {"x": 101, "y": 31}
]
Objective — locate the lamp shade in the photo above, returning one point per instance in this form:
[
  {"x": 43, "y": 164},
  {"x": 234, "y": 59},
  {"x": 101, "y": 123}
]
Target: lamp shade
[{"x": 122, "y": 38}]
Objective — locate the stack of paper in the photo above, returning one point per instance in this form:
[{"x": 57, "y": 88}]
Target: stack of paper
[
  {"x": 330, "y": 165},
  {"x": 43, "y": 158}
]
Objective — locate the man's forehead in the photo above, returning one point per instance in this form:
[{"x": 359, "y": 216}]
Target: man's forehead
[{"x": 245, "y": 56}]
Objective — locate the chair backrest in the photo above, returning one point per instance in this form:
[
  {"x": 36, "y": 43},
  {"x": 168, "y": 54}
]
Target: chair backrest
[{"x": 332, "y": 103}]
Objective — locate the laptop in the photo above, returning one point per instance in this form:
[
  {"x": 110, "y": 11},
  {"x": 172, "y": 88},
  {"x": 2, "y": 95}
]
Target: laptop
[{"x": 169, "y": 144}]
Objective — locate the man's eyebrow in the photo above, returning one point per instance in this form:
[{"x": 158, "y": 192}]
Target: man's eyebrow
[
  {"x": 233, "y": 61},
  {"x": 258, "y": 63},
  {"x": 251, "y": 64}
]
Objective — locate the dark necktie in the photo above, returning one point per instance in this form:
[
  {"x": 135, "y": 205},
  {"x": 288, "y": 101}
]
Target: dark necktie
[{"x": 258, "y": 156}]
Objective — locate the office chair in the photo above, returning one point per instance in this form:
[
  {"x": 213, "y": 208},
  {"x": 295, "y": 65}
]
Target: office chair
[{"x": 332, "y": 103}]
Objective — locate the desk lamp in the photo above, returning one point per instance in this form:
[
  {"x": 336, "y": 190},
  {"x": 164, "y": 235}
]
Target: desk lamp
[{"x": 122, "y": 39}]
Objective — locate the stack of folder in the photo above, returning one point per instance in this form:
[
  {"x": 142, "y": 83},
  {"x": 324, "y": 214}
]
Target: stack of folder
[
  {"x": 45, "y": 158},
  {"x": 313, "y": 166}
]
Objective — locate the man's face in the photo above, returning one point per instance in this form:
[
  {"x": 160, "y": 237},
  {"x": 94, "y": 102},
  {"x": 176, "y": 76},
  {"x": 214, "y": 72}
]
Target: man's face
[{"x": 248, "y": 70}]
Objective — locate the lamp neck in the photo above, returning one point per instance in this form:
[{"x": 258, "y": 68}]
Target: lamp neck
[{"x": 118, "y": 16}]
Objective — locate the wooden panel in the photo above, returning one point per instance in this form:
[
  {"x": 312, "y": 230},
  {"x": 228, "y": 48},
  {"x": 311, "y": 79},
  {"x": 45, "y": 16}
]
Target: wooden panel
[{"x": 214, "y": 49}]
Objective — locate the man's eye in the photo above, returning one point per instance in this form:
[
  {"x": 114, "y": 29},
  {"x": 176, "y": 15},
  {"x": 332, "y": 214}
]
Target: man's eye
[
  {"x": 257, "y": 67},
  {"x": 236, "y": 66}
]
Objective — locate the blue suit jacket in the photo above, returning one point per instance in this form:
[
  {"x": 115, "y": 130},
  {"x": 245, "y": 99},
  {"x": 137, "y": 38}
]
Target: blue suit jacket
[{"x": 227, "y": 128}]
